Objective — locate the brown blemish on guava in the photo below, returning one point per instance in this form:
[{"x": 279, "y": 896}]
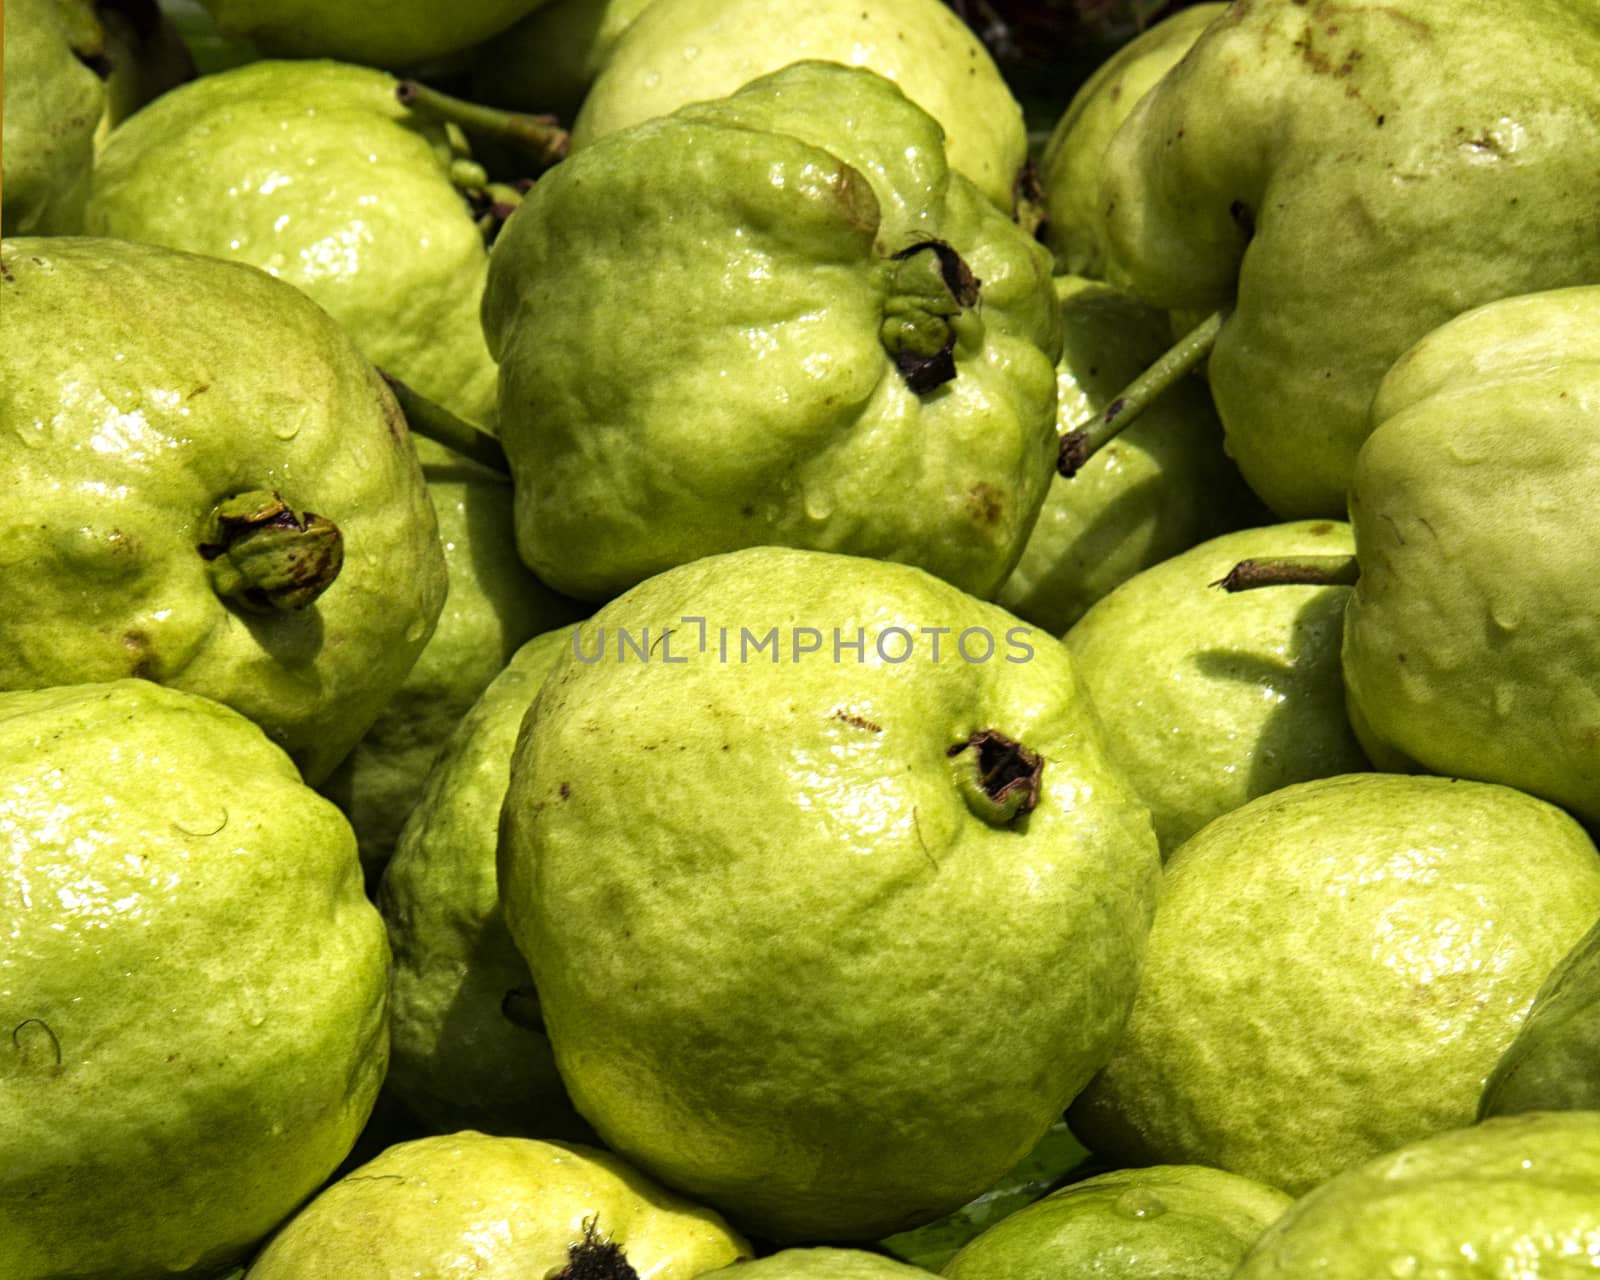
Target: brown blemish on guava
[
  {"x": 859, "y": 722},
  {"x": 1005, "y": 767},
  {"x": 566, "y": 790},
  {"x": 200, "y": 390},
  {"x": 985, "y": 504},
  {"x": 1320, "y": 530}
]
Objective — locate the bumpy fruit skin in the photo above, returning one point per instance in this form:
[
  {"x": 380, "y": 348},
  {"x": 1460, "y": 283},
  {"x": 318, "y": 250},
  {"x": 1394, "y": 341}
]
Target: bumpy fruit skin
[
  {"x": 791, "y": 959},
  {"x": 1361, "y": 949},
  {"x": 1165, "y": 1222},
  {"x": 1471, "y": 640},
  {"x": 315, "y": 173},
  {"x": 1346, "y": 177},
  {"x": 53, "y": 105},
  {"x": 1509, "y": 1197},
  {"x": 1211, "y": 699},
  {"x": 690, "y": 318},
  {"x": 193, "y": 985},
  {"x": 458, "y": 1059},
  {"x": 129, "y": 414},
  {"x": 377, "y": 33},
  {"x": 467, "y": 1206},
  {"x": 1550, "y": 1066},
  {"x": 822, "y": 1264},
  {"x": 1070, "y": 165},
  {"x": 683, "y": 51}
]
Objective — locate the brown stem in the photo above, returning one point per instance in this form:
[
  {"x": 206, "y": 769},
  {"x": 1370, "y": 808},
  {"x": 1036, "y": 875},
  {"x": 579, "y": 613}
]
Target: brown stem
[{"x": 1291, "y": 571}]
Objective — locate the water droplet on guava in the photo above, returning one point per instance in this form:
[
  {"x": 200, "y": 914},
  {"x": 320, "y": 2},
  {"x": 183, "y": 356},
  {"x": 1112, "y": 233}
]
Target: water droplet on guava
[{"x": 1137, "y": 1202}]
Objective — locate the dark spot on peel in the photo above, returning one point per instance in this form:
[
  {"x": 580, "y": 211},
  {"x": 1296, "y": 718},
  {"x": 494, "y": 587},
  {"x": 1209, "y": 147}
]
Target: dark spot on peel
[
  {"x": 566, "y": 790},
  {"x": 986, "y": 504},
  {"x": 859, "y": 722}
]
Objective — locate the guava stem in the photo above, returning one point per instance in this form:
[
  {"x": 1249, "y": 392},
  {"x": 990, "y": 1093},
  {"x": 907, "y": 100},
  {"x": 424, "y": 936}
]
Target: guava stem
[
  {"x": 434, "y": 422},
  {"x": 1083, "y": 442},
  {"x": 540, "y": 136},
  {"x": 1291, "y": 571}
]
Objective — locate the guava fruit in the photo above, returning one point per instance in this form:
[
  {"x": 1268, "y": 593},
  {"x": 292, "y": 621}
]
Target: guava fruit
[
  {"x": 683, "y": 51},
  {"x": 388, "y": 35},
  {"x": 1554, "y": 1063},
  {"x": 1072, "y": 159},
  {"x": 826, "y": 927},
  {"x": 316, "y": 173},
  {"x": 775, "y": 318},
  {"x": 468, "y": 1206},
  {"x": 1340, "y": 179},
  {"x": 467, "y": 1046},
  {"x": 1469, "y": 644},
  {"x": 193, "y": 982},
  {"x": 235, "y": 509},
  {"x": 1209, "y": 699},
  {"x": 1162, "y": 486},
  {"x": 1513, "y": 1196},
  {"x": 1163, "y": 1222},
  {"x": 1334, "y": 970},
  {"x": 548, "y": 60},
  {"x": 822, "y": 1264}
]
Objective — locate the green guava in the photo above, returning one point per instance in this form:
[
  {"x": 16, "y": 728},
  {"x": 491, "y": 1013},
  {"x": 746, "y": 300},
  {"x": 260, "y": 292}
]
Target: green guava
[
  {"x": 822, "y": 1264},
  {"x": 1341, "y": 178},
  {"x": 1164, "y": 1222},
  {"x": 1509, "y": 1197},
  {"x": 776, "y": 318},
  {"x": 1470, "y": 644},
  {"x": 468, "y": 1048},
  {"x": 315, "y": 172},
  {"x": 1334, "y": 970},
  {"x": 683, "y": 51},
  {"x": 827, "y": 925},
  {"x": 1209, "y": 699},
  {"x": 468, "y": 1206},
  {"x": 193, "y": 982},
  {"x": 1163, "y": 485},
  {"x": 548, "y": 60},
  {"x": 233, "y": 509},
  {"x": 1073, "y": 157}
]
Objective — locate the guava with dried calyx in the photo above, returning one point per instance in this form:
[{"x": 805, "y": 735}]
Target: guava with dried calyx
[
  {"x": 866, "y": 345},
  {"x": 682, "y": 51},
  {"x": 1513, "y": 1196},
  {"x": 388, "y": 35},
  {"x": 469, "y": 1206},
  {"x": 1073, "y": 157},
  {"x": 317, "y": 173},
  {"x": 1209, "y": 699},
  {"x": 234, "y": 510},
  {"x": 1552, "y": 1064},
  {"x": 1163, "y": 486},
  {"x": 492, "y": 607},
  {"x": 827, "y": 932},
  {"x": 193, "y": 984},
  {"x": 468, "y": 1046},
  {"x": 1301, "y": 151},
  {"x": 1163, "y": 1222},
  {"x": 1470, "y": 642},
  {"x": 822, "y": 1264},
  {"x": 548, "y": 61},
  {"x": 1361, "y": 950}
]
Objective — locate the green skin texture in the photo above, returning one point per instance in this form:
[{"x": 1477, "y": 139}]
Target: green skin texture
[
  {"x": 115, "y": 464},
  {"x": 53, "y": 105},
  {"x": 1074, "y": 156},
  {"x": 1551, "y": 1065},
  {"x": 1471, "y": 643},
  {"x": 548, "y": 60},
  {"x": 468, "y": 1206},
  {"x": 1361, "y": 949},
  {"x": 683, "y": 51},
  {"x": 1509, "y": 1197},
  {"x": 687, "y": 315},
  {"x": 783, "y": 962},
  {"x": 194, "y": 985},
  {"x": 1211, "y": 699},
  {"x": 313, "y": 172},
  {"x": 377, "y": 33},
  {"x": 1401, "y": 162},
  {"x": 1046, "y": 1166},
  {"x": 1166, "y": 1222},
  {"x": 1163, "y": 485},
  {"x": 822, "y": 1264},
  {"x": 457, "y": 1061},
  {"x": 494, "y": 604}
]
